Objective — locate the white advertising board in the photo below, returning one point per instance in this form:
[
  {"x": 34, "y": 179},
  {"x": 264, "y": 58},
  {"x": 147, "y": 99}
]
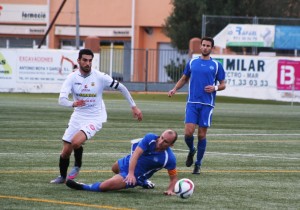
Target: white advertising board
[
  {"x": 270, "y": 78},
  {"x": 250, "y": 35},
  {"x": 37, "y": 70},
  {"x": 257, "y": 77}
]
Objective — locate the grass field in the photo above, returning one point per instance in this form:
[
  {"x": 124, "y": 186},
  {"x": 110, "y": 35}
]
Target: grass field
[{"x": 252, "y": 159}]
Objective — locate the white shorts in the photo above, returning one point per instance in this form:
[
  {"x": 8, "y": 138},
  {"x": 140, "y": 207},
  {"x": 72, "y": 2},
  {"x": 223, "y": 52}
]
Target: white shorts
[{"x": 89, "y": 127}]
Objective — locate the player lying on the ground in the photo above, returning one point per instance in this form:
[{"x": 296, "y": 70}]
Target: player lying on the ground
[{"x": 149, "y": 155}]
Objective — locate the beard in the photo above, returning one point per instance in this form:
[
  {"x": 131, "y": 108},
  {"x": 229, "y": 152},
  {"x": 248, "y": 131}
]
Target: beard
[
  {"x": 85, "y": 69},
  {"x": 205, "y": 53}
]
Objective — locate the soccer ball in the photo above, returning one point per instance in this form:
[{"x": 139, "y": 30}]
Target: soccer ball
[{"x": 184, "y": 188}]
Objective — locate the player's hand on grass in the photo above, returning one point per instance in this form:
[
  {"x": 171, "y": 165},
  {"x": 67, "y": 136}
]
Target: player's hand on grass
[
  {"x": 169, "y": 192},
  {"x": 130, "y": 180}
]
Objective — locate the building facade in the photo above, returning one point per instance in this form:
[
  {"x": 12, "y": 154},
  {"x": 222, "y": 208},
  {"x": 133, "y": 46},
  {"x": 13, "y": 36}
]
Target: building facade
[
  {"x": 97, "y": 24},
  {"x": 117, "y": 21}
]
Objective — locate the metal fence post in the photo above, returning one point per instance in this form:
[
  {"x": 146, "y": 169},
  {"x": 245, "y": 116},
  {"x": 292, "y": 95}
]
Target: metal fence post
[
  {"x": 146, "y": 71},
  {"x": 203, "y": 25}
]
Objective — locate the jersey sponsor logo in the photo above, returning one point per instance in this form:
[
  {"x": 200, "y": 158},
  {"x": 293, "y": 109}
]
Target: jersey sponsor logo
[
  {"x": 87, "y": 95},
  {"x": 78, "y": 83},
  {"x": 86, "y": 90}
]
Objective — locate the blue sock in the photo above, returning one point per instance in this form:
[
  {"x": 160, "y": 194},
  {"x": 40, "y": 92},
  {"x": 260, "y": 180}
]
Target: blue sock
[
  {"x": 189, "y": 140},
  {"x": 201, "y": 150},
  {"x": 92, "y": 187}
]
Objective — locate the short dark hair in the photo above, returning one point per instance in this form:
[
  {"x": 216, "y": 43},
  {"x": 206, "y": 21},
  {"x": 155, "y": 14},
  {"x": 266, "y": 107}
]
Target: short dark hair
[
  {"x": 85, "y": 52},
  {"x": 210, "y": 39}
]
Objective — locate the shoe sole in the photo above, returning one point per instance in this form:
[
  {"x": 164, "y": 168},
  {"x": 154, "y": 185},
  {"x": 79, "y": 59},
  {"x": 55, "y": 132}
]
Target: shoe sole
[
  {"x": 72, "y": 177},
  {"x": 53, "y": 182}
]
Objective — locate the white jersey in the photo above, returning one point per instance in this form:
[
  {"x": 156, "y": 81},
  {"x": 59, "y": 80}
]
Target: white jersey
[
  {"x": 89, "y": 89},
  {"x": 88, "y": 118}
]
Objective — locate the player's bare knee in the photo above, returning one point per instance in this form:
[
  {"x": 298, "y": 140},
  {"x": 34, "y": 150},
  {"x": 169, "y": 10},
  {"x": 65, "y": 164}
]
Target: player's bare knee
[
  {"x": 115, "y": 168},
  {"x": 76, "y": 145},
  {"x": 66, "y": 151}
]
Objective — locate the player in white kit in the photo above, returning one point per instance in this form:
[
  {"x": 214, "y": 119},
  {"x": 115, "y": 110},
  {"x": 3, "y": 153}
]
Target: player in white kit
[{"x": 86, "y": 86}]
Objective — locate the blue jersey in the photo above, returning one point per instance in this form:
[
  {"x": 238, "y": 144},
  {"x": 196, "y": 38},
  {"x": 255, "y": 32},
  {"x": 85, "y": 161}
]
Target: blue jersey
[
  {"x": 150, "y": 161},
  {"x": 202, "y": 73}
]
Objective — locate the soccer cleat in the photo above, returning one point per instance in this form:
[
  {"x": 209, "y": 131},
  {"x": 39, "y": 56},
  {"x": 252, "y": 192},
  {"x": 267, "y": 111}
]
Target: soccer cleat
[
  {"x": 74, "y": 185},
  {"x": 147, "y": 184},
  {"x": 189, "y": 160},
  {"x": 196, "y": 169},
  {"x": 58, "y": 180},
  {"x": 74, "y": 172}
]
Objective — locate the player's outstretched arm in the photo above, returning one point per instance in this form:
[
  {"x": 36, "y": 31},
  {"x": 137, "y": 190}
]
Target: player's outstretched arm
[
  {"x": 173, "y": 180},
  {"x": 130, "y": 178},
  {"x": 181, "y": 82},
  {"x": 135, "y": 110}
]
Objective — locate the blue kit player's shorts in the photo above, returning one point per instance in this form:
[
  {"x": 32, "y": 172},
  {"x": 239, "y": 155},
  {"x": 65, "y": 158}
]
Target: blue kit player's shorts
[
  {"x": 123, "y": 166},
  {"x": 199, "y": 114}
]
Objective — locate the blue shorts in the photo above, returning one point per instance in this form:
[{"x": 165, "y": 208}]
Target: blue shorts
[
  {"x": 199, "y": 114},
  {"x": 124, "y": 165}
]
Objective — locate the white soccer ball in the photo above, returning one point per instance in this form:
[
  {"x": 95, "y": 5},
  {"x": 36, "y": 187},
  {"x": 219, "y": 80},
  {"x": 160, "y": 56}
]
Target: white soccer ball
[{"x": 184, "y": 188}]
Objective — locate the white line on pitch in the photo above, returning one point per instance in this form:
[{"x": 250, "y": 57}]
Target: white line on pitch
[
  {"x": 183, "y": 150},
  {"x": 253, "y": 155},
  {"x": 251, "y": 134},
  {"x": 244, "y": 155}
]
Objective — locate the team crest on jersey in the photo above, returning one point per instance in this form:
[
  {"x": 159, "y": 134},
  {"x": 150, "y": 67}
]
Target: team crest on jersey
[
  {"x": 92, "y": 127},
  {"x": 211, "y": 67},
  {"x": 93, "y": 84}
]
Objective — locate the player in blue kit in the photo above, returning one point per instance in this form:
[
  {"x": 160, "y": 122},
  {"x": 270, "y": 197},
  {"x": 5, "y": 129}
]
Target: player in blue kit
[
  {"x": 149, "y": 155},
  {"x": 206, "y": 76}
]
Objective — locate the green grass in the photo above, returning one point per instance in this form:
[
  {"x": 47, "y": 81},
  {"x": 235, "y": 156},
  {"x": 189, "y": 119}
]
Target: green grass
[{"x": 252, "y": 159}]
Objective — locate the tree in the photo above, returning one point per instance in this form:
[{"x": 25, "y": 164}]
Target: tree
[
  {"x": 184, "y": 22},
  {"x": 174, "y": 69}
]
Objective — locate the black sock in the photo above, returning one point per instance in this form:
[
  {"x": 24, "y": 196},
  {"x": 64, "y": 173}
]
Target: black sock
[
  {"x": 63, "y": 166},
  {"x": 78, "y": 156}
]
